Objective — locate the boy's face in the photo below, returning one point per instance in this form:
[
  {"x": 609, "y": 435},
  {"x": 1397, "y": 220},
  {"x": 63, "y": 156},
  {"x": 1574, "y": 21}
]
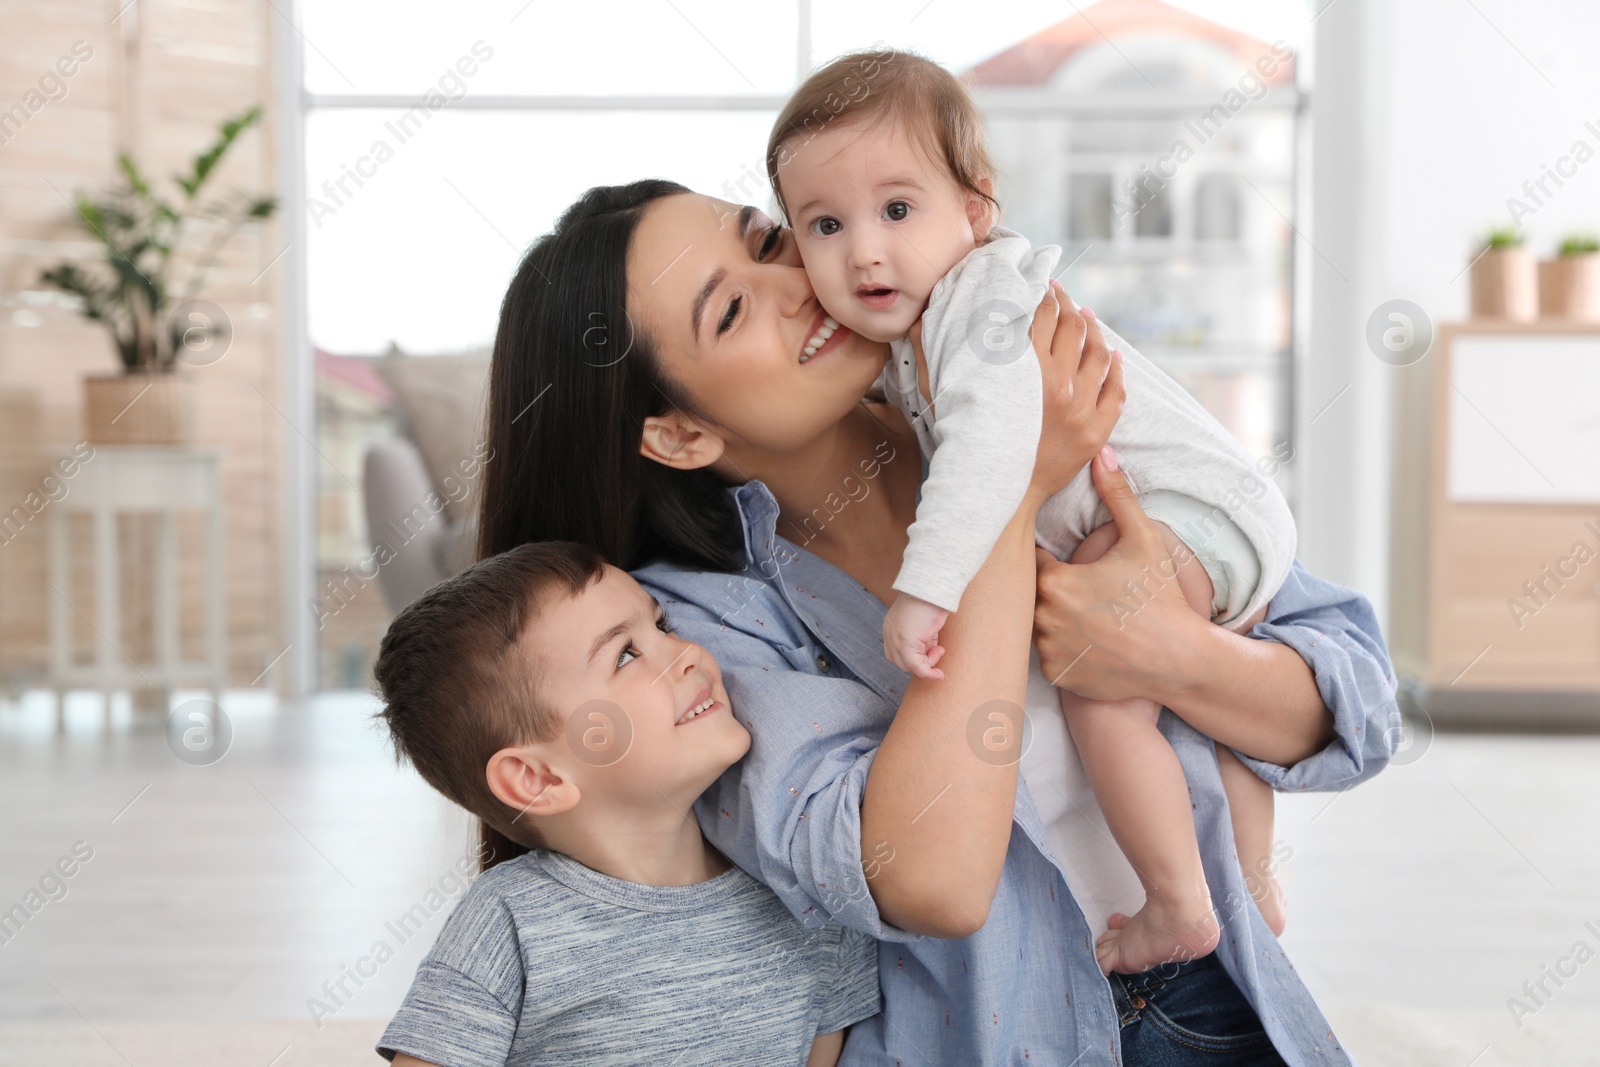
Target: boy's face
[
  {"x": 627, "y": 691},
  {"x": 877, "y": 223}
]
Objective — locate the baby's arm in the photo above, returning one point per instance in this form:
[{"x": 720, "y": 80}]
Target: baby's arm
[
  {"x": 826, "y": 1049},
  {"x": 984, "y": 383},
  {"x": 911, "y": 636}
]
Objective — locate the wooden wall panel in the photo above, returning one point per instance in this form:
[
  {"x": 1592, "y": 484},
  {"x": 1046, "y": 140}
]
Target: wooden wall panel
[{"x": 161, "y": 78}]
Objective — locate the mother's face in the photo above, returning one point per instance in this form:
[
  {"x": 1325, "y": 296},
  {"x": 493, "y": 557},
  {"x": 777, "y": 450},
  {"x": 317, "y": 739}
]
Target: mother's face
[{"x": 720, "y": 291}]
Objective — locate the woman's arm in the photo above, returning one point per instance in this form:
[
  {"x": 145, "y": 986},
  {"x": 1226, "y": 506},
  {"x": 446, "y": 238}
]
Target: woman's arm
[
  {"x": 1115, "y": 628},
  {"x": 943, "y": 812}
]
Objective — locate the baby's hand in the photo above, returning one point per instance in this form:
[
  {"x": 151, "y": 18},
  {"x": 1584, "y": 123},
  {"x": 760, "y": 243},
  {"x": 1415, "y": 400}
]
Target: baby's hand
[{"x": 911, "y": 636}]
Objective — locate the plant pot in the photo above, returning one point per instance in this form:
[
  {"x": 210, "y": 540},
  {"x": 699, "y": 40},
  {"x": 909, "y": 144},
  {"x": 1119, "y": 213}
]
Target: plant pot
[
  {"x": 1505, "y": 285},
  {"x": 138, "y": 409},
  {"x": 1569, "y": 287}
]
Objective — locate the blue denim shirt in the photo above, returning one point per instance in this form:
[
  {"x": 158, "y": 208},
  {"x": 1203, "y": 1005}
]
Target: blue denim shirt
[{"x": 800, "y": 647}]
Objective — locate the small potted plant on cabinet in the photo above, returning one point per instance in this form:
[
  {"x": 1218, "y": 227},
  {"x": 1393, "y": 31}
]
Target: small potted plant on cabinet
[
  {"x": 1569, "y": 285},
  {"x": 1504, "y": 281},
  {"x": 154, "y": 323}
]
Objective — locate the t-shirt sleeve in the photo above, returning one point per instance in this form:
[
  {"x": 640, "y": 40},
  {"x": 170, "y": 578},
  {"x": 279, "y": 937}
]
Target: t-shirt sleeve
[
  {"x": 465, "y": 1003},
  {"x": 851, "y": 990}
]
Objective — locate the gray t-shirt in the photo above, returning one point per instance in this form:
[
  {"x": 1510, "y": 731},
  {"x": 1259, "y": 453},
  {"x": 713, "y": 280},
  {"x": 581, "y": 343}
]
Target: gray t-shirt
[{"x": 545, "y": 961}]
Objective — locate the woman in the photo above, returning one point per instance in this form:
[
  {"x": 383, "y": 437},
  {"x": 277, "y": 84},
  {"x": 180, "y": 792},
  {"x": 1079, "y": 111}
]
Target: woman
[{"x": 647, "y": 397}]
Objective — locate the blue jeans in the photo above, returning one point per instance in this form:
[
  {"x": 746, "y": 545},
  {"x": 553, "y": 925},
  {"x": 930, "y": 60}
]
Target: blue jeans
[{"x": 1186, "y": 1014}]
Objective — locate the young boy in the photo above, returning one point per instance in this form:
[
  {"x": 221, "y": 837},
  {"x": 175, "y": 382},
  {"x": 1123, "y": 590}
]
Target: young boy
[{"x": 543, "y": 691}]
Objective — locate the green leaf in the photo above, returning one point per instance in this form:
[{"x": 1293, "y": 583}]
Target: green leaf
[
  {"x": 207, "y": 161},
  {"x": 1579, "y": 244},
  {"x": 1504, "y": 237},
  {"x": 130, "y": 171}
]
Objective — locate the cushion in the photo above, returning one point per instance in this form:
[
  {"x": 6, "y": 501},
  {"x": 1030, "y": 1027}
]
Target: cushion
[{"x": 441, "y": 400}]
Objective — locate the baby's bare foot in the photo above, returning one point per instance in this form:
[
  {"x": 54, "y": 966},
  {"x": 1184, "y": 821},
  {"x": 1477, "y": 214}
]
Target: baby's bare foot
[{"x": 1160, "y": 932}]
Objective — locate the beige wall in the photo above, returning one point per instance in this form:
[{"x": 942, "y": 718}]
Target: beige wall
[{"x": 160, "y": 79}]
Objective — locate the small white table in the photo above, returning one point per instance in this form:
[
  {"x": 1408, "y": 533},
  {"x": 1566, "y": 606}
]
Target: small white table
[{"x": 137, "y": 479}]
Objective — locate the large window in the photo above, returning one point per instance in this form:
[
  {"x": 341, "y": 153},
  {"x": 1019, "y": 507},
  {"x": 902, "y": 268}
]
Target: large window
[{"x": 417, "y": 215}]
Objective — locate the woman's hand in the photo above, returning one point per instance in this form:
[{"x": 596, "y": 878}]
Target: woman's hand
[
  {"x": 1120, "y": 627},
  {"x": 1104, "y": 629},
  {"x": 1083, "y": 391}
]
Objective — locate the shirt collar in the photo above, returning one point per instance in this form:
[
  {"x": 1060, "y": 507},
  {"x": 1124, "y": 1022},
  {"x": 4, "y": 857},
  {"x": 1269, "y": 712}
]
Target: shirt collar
[{"x": 843, "y": 616}]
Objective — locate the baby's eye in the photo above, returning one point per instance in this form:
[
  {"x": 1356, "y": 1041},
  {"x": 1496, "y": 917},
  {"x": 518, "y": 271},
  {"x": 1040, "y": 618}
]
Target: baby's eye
[
  {"x": 826, "y": 226},
  {"x": 663, "y": 625},
  {"x": 896, "y": 210}
]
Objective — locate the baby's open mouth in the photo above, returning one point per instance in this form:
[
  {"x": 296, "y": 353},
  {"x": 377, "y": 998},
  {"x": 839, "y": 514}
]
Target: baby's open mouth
[{"x": 877, "y": 297}]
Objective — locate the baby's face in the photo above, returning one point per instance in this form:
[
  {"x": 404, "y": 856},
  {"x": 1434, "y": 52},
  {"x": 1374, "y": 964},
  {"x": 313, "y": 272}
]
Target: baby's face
[
  {"x": 645, "y": 711},
  {"x": 877, "y": 223}
]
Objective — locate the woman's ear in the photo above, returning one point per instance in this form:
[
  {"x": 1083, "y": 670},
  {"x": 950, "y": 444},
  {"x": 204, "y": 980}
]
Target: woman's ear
[
  {"x": 674, "y": 441},
  {"x": 524, "y": 778},
  {"x": 980, "y": 212}
]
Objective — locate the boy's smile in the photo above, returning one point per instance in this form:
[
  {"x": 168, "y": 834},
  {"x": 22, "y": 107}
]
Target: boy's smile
[{"x": 611, "y": 648}]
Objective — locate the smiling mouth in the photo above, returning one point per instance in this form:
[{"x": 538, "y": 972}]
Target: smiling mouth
[
  {"x": 705, "y": 702},
  {"x": 702, "y": 708},
  {"x": 819, "y": 337}
]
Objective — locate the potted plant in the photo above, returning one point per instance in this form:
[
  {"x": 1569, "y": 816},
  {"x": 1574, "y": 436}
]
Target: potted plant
[
  {"x": 1505, "y": 284},
  {"x": 1569, "y": 285},
  {"x": 132, "y": 292}
]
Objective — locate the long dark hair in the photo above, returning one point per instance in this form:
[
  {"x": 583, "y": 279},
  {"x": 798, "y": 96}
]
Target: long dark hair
[{"x": 571, "y": 383}]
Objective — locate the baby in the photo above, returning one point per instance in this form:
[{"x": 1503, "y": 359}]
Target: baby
[
  {"x": 543, "y": 691},
  {"x": 879, "y": 165}
]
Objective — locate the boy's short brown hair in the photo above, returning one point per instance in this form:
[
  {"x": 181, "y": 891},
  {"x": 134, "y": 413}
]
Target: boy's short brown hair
[
  {"x": 870, "y": 86},
  {"x": 457, "y": 689}
]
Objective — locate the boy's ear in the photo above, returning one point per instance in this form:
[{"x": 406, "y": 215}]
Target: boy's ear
[
  {"x": 981, "y": 212},
  {"x": 524, "y": 779},
  {"x": 673, "y": 440}
]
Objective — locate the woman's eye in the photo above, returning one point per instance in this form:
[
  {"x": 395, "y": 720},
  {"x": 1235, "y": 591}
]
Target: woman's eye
[
  {"x": 728, "y": 316},
  {"x": 825, "y": 226},
  {"x": 897, "y": 210},
  {"x": 770, "y": 242}
]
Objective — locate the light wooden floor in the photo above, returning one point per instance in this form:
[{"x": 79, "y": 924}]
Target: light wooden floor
[{"x": 220, "y": 899}]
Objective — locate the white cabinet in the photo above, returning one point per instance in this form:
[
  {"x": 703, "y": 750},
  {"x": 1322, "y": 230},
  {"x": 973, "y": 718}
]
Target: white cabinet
[
  {"x": 1496, "y": 566},
  {"x": 1524, "y": 413}
]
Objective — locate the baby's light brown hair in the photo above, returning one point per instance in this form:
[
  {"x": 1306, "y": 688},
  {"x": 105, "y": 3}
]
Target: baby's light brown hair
[{"x": 867, "y": 87}]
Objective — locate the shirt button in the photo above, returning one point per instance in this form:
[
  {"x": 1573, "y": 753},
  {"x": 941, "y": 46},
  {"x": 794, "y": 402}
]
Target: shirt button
[{"x": 824, "y": 664}]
